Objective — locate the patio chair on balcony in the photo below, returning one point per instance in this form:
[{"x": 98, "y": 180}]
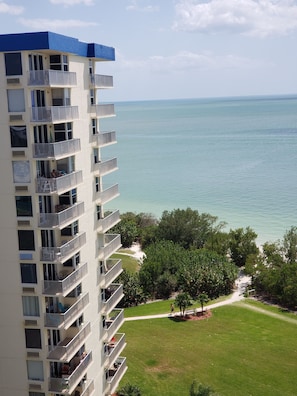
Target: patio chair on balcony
[{"x": 62, "y": 308}]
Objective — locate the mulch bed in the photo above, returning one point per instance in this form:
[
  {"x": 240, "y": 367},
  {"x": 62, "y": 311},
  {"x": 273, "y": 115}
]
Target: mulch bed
[{"x": 198, "y": 316}]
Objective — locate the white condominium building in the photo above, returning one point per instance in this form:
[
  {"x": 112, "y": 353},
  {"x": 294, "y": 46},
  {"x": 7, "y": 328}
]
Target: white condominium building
[{"x": 59, "y": 329}]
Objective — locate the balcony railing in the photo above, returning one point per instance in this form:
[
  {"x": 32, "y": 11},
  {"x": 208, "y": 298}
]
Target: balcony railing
[
  {"x": 65, "y": 319},
  {"x": 54, "y": 114},
  {"x": 115, "y": 321},
  {"x": 116, "y": 294},
  {"x": 67, "y": 385},
  {"x": 66, "y": 349},
  {"x": 108, "y": 222},
  {"x": 46, "y": 185},
  {"x": 58, "y": 254},
  {"x": 106, "y": 166},
  {"x": 51, "y": 78},
  {"x": 115, "y": 347},
  {"x": 64, "y": 286},
  {"x": 113, "y": 270},
  {"x": 87, "y": 388},
  {"x": 60, "y": 219},
  {"x": 108, "y": 194},
  {"x": 112, "y": 242},
  {"x": 115, "y": 374},
  {"x": 101, "y": 81},
  {"x": 103, "y": 110},
  {"x": 104, "y": 138},
  {"x": 56, "y": 150}
]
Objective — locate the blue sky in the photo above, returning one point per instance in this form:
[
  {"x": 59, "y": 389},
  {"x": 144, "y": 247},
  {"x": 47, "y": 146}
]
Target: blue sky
[{"x": 170, "y": 49}]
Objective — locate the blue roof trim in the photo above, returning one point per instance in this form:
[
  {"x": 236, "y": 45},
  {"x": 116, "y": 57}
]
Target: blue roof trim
[{"x": 56, "y": 42}]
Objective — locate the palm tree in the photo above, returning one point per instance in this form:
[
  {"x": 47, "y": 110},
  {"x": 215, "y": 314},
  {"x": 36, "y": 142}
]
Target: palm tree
[
  {"x": 201, "y": 390},
  {"x": 182, "y": 301},
  {"x": 129, "y": 390},
  {"x": 203, "y": 298}
]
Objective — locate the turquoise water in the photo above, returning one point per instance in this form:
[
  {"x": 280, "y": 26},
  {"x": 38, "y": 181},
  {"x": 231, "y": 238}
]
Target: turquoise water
[{"x": 235, "y": 158}]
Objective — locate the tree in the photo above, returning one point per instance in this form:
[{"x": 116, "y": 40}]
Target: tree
[
  {"x": 129, "y": 390},
  {"x": 203, "y": 298},
  {"x": 242, "y": 243},
  {"x": 182, "y": 301},
  {"x": 187, "y": 227},
  {"x": 290, "y": 245},
  {"x": 133, "y": 292},
  {"x": 197, "y": 389},
  {"x": 128, "y": 230}
]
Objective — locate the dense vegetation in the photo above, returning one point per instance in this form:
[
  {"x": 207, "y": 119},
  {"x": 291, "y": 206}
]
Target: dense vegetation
[{"x": 187, "y": 251}]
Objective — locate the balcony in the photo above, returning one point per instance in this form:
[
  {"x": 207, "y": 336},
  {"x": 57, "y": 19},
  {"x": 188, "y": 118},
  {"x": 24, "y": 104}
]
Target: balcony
[
  {"x": 108, "y": 221},
  {"x": 101, "y": 81},
  {"x": 67, "y": 384},
  {"x": 72, "y": 312},
  {"x": 54, "y": 114},
  {"x": 114, "y": 348},
  {"x": 85, "y": 388},
  {"x": 113, "y": 295},
  {"x": 104, "y": 138},
  {"x": 65, "y": 214},
  {"x": 60, "y": 253},
  {"x": 103, "y": 110},
  {"x": 66, "y": 349},
  {"x": 113, "y": 323},
  {"x": 112, "y": 271},
  {"x": 59, "y": 185},
  {"x": 67, "y": 282},
  {"x": 112, "y": 242},
  {"x": 51, "y": 78},
  {"x": 56, "y": 150},
  {"x": 108, "y": 194},
  {"x": 105, "y": 167},
  {"x": 115, "y": 374}
]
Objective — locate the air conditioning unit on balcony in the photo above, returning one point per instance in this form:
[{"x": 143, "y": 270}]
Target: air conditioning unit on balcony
[
  {"x": 13, "y": 81},
  {"x": 15, "y": 117}
]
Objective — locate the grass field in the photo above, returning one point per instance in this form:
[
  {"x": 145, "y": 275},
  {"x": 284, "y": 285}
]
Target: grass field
[
  {"x": 128, "y": 263},
  {"x": 237, "y": 351}
]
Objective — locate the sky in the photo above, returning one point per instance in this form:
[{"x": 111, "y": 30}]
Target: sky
[{"x": 170, "y": 49}]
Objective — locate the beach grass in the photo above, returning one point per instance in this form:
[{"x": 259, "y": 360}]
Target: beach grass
[{"x": 238, "y": 352}]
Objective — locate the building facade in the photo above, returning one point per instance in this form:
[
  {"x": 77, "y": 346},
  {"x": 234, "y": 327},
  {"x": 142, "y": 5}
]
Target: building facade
[{"x": 59, "y": 330}]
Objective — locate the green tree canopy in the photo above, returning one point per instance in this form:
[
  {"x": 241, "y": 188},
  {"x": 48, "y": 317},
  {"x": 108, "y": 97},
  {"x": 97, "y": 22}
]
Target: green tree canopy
[{"x": 242, "y": 244}]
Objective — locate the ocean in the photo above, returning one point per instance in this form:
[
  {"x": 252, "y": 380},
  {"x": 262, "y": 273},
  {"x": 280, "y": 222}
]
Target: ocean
[{"x": 235, "y": 158}]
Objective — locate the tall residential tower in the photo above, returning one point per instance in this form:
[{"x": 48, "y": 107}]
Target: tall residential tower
[{"x": 59, "y": 321}]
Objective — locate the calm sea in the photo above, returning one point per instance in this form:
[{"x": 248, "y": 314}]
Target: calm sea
[{"x": 235, "y": 158}]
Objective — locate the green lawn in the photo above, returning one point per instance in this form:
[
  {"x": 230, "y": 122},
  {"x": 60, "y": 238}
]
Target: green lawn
[
  {"x": 128, "y": 263},
  {"x": 237, "y": 351}
]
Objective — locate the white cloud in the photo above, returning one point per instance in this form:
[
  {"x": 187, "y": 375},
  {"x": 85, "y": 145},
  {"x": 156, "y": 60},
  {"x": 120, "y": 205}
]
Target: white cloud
[
  {"x": 9, "y": 9},
  {"x": 53, "y": 24},
  {"x": 135, "y": 6},
  {"x": 73, "y": 2},
  {"x": 249, "y": 17}
]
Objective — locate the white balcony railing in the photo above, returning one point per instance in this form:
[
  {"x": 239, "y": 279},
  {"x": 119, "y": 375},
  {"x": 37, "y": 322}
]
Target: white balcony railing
[
  {"x": 116, "y": 294},
  {"x": 108, "y": 194},
  {"x": 51, "y": 78},
  {"x": 112, "y": 242},
  {"x": 54, "y": 114},
  {"x": 106, "y": 166},
  {"x": 104, "y": 138},
  {"x": 59, "y": 253},
  {"x": 56, "y": 150},
  {"x": 112, "y": 325},
  {"x": 66, "y": 318},
  {"x": 112, "y": 271},
  {"x": 101, "y": 81},
  {"x": 108, "y": 221},
  {"x": 64, "y": 216},
  {"x": 116, "y": 373},
  {"x": 103, "y": 110},
  {"x": 64, "y": 286},
  {"x": 47, "y": 185},
  {"x": 115, "y": 347}
]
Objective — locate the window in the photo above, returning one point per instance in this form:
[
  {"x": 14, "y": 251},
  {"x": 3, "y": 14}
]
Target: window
[
  {"x": 30, "y": 306},
  {"x": 16, "y": 100},
  {"x": 97, "y": 183},
  {"x": 23, "y": 205},
  {"x": 28, "y": 273},
  {"x": 36, "y": 394},
  {"x": 13, "y": 64},
  {"x": 59, "y": 62},
  {"x": 96, "y": 155},
  {"x": 26, "y": 240},
  {"x": 35, "y": 370},
  {"x": 18, "y": 136},
  {"x": 92, "y": 96},
  {"x": 94, "y": 126},
  {"x": 33, "y": 338},
  {"x": 70, "y": 230},
  {"x": 21, "y": 171},
  {"x": 98, "y": 211}
]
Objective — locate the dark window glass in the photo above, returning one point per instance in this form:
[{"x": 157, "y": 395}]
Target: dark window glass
[
  {"x": 33, "y": 338},
  {"x": 28, "y": 273},
  {"x": 23, "y": 205},
  {"x": 18, "y": 136},
  {"x": 13, "y": 64},
  {"x": 36, "y": 394},
  {"x": 26, "y": 240}
]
